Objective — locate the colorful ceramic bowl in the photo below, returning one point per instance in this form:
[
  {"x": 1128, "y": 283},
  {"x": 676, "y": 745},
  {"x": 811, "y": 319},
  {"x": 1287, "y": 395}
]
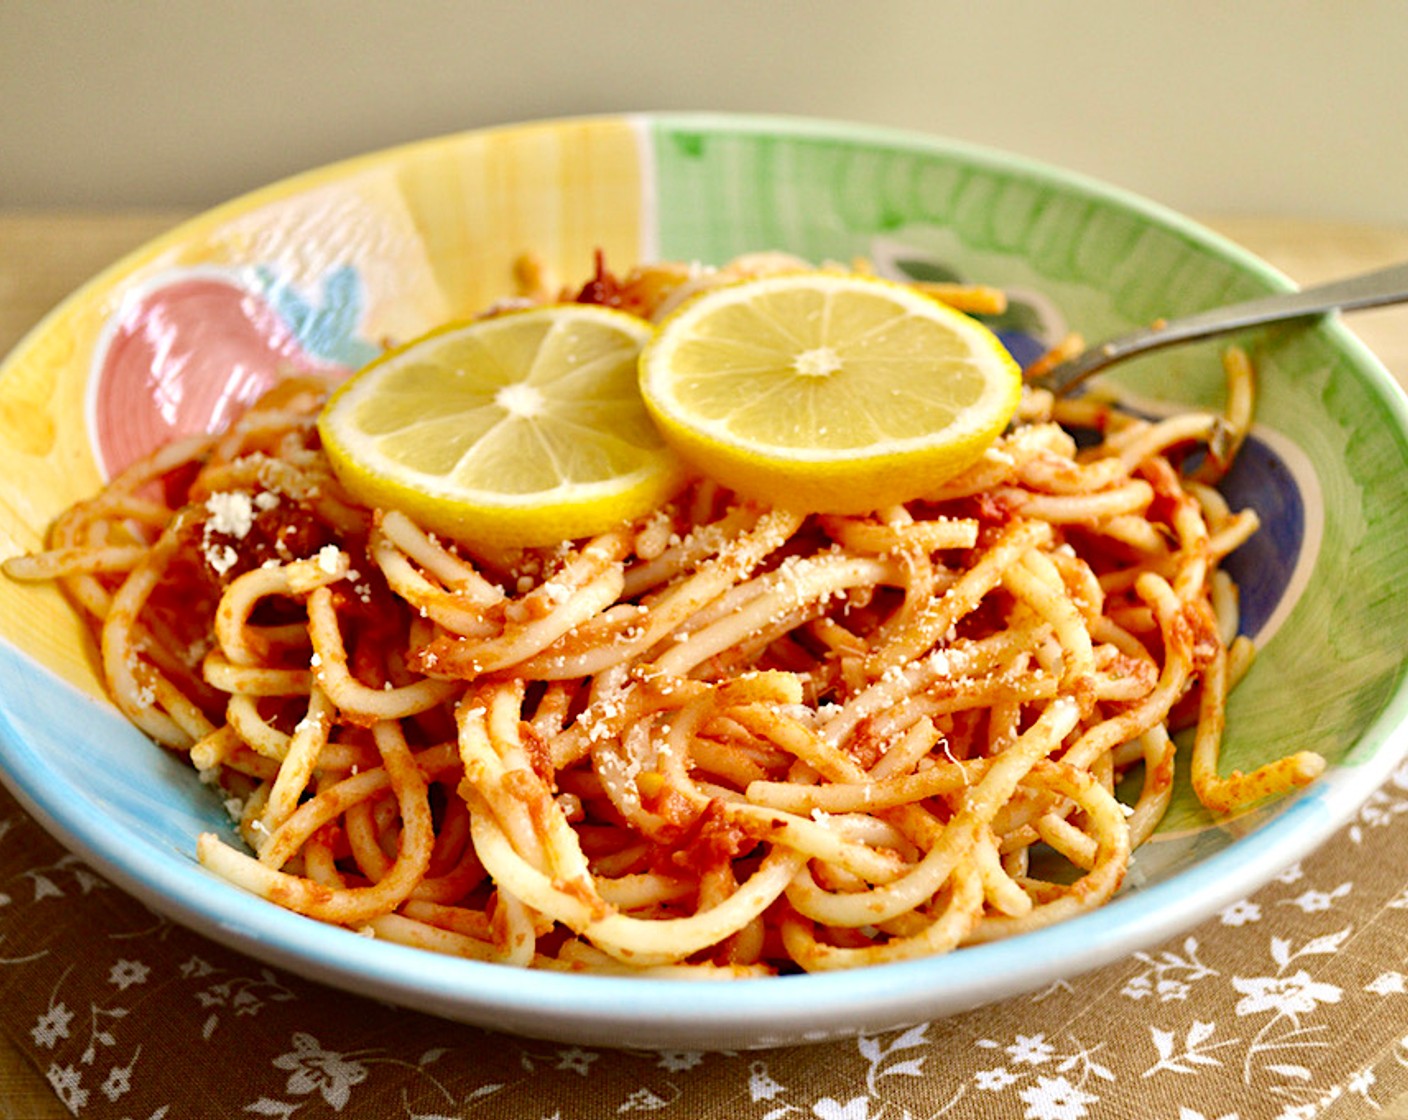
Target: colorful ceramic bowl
[{"x": 323, "y": 269}]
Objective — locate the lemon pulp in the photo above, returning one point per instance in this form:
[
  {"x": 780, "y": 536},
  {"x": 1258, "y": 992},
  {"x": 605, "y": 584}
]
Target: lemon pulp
[
  {"x": 521, "y": 429},
  {"x": 827, "y": 391}
]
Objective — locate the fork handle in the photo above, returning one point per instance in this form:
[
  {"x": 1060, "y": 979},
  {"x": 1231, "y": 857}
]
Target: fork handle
[{"x": 1372, "y": 289}]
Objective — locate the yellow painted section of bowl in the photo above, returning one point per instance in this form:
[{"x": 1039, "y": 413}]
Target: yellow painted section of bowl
[{"x": 433, "y": 229}]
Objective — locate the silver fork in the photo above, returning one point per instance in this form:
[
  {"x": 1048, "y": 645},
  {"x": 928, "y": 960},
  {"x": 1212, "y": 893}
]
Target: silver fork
[{"x": 1372, "y": 289}]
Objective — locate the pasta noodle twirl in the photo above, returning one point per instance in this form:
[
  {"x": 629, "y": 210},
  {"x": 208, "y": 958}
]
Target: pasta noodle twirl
[{"x": 724, "y": 740}]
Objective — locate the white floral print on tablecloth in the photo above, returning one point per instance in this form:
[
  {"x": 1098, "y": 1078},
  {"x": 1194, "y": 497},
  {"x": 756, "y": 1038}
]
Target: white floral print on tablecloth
[{"x": 1289, "y": 1005}]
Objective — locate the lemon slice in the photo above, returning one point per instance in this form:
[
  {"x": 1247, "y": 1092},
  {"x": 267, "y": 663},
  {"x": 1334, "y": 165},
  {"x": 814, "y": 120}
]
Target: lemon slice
[
  {"x": 827, "y": 391},
  {"x": 526, "y": 428}
]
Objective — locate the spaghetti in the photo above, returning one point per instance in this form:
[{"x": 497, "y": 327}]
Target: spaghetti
[{"x": 724, "y": 740}]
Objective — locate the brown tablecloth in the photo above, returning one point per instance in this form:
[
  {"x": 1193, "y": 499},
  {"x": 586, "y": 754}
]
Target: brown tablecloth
[{"x": 1290, "y": 1004}]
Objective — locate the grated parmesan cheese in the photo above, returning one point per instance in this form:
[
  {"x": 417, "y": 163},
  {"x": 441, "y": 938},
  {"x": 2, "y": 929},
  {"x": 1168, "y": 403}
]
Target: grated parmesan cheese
[
  {"x": 221, "y": 558},
  {"x": 231, "y": 512}
]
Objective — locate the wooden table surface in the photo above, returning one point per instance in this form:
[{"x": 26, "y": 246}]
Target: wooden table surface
[{"x": 45, "y": 255}]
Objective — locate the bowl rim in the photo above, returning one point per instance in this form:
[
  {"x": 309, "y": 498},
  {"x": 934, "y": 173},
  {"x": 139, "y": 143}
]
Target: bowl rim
[
  {"x": 640, "y": 1011},
  {"x": 1187, "y": 228}
]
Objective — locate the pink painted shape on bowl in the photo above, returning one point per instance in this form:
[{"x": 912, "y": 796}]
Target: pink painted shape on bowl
[{"x": 187, "y": 357}]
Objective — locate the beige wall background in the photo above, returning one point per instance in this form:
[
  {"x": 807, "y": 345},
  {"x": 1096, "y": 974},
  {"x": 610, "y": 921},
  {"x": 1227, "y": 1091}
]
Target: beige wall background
[{"x": 1290, "y": 108}]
